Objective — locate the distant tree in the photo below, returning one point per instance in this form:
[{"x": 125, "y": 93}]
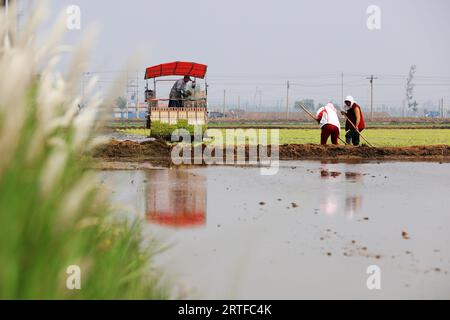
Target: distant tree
[
  {"x": 121, "y": 103},
  {"x": 412, "y": 104}
]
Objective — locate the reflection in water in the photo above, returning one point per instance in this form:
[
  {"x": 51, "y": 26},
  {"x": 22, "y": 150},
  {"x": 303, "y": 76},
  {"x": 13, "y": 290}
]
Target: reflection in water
[
  {"x": 176, "y": 198},
  {"x": 329, "y": 174},
  {"x": 330, "y": 203},
  {"x": 353, "y": 205},
  {"x": 354, "y": 176}
]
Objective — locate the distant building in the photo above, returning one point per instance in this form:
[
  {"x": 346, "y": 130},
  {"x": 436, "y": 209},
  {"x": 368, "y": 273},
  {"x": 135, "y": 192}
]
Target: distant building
[
  {"x": 433, "y": 114},
  {"x": 215, "y": 115},
  {"x": 131, "y": 112}
]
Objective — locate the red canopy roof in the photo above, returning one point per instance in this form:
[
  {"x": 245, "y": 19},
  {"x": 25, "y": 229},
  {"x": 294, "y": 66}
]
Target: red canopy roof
[
  {"x": 177, "y": 68},
  {"x": 180, "y": 219}
]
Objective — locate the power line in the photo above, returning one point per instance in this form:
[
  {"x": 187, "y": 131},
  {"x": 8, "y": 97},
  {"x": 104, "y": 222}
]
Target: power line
[{"x": 288, "y": 86}]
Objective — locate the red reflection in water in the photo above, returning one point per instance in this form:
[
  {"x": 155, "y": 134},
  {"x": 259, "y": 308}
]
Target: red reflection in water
[{"x": 176, "y": 198}]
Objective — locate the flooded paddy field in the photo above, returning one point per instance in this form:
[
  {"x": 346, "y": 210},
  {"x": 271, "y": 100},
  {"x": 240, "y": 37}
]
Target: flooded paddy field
[{"x": 311, "y": 231}]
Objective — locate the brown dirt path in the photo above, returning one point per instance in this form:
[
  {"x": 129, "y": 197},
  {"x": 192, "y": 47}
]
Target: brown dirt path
[{"x": 158, "y": 153}]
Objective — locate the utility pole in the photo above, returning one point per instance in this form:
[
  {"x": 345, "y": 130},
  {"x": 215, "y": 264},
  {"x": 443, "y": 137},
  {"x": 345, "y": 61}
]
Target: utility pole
[
  {"x": 128, "y": 96},
  {"x": 260, "y": 99},
  {"x": 342, "y": 88},
  {"x": 224, "y": 101},
  {"x": 403, "y": 108},
  {"x": 371, "y": 78},
  {"x": 287, "y": 99},
  {"x": 137, "y": 94},
  {"x": 255, "y": 104},
  {"x": 443, "y": 109}
]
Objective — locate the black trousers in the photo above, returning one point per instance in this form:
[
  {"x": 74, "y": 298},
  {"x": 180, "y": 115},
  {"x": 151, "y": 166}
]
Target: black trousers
[
  {"x": 352, "y": 136},
  {"x": 175, "y": 103}
]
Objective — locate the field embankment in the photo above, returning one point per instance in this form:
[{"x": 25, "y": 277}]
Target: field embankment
[{"x": 158, "y": 153}]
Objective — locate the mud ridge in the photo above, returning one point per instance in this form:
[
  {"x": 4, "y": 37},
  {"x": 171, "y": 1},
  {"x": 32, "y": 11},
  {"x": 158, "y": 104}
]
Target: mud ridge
[
  {"x": 155, "y": 152},
  {"x": 158, "y": 153}
]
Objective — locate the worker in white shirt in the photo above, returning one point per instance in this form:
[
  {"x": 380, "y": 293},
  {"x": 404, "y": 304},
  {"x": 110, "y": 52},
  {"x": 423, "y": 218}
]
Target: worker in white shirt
[{"x": 328, "y": 119}]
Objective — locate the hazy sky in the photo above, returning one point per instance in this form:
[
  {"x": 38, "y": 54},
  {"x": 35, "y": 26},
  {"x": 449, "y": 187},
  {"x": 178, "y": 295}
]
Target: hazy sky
[{"x": 250, "y": 44}]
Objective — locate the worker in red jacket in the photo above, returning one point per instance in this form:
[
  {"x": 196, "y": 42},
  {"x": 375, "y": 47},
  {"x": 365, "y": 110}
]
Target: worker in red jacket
[{"x": 354, "y": 114}]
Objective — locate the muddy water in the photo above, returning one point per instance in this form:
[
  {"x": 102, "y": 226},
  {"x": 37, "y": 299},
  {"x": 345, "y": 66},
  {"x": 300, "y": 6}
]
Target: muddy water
[{"x": 311, "y": 231}]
